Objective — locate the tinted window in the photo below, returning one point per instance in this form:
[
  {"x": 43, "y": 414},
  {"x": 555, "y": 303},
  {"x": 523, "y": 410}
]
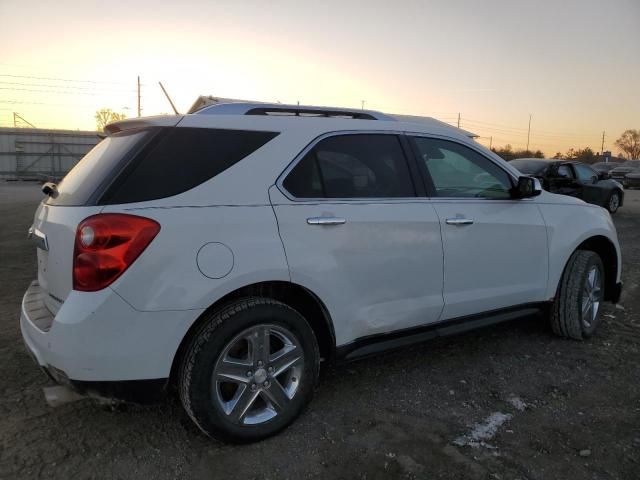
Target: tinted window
[
  {"x": 352, "y": 166},
  {"x": 180, "y": 159},
  {"x": 458, "y": 171},
  {"x": 585, "y": 174},
  {"x": 96, "y": 167}
]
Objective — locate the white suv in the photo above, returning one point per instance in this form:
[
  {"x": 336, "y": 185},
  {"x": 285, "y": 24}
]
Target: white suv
[{"x": 225, "y": 253}]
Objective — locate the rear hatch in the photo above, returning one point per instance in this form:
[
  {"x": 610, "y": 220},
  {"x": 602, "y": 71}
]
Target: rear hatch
[{"x": 78, "y": 197}]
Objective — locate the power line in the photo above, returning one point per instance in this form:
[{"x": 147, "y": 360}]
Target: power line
[
  {"x": 66, "y": 87},
  {"x": 61, "y": 79},
  {"x": 504, "y": 127},
  {"x": 58, "y": 91}
]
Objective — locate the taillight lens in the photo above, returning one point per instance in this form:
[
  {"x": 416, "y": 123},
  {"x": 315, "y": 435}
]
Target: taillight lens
[{"x": 106, "y": 245}]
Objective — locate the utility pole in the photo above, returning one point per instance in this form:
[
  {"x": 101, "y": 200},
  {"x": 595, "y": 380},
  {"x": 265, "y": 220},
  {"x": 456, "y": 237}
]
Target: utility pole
[
  {"x": 529, "y": 132},
  {"x": 490, "y": 142},
  {"x": 602, "y": 147},
  {"x": 458, "y": 120},
  {"x": 139, "y": 96},
  {"x": 362, "y": 104}
]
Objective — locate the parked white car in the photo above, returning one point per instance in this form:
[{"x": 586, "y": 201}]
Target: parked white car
[{"x": 226, "y": 253}]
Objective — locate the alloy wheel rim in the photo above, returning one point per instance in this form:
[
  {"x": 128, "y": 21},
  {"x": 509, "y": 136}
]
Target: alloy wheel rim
[
  {"x": 613, "y": 202},
  {"x": 258, "y": 374},
  {"x": 591, "y": 296}
]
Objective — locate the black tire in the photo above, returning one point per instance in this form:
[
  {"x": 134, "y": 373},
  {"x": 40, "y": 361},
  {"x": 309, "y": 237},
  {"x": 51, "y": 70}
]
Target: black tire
[
  {"x": 196, "y": 383},
  {"x": 567, "y": 311},
  {"x": 612, "y": 206}
]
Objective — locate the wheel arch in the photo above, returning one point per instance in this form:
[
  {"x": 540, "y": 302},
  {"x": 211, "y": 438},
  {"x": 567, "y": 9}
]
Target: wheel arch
[
  {"x": 301, "y": 299},
  {"x": 605, "y": 248}
]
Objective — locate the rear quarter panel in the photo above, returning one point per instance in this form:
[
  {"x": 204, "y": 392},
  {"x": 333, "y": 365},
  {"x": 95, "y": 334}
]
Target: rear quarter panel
[{"x": 167, "y": 276}]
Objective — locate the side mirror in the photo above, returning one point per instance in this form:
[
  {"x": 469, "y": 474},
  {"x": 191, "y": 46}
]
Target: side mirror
[{"x": 527, "y": 187}]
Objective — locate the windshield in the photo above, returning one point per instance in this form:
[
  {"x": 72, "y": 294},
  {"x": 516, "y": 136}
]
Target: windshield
[
  {"x": 530, "y": 167},
  {"x": 98, "y": 165}
]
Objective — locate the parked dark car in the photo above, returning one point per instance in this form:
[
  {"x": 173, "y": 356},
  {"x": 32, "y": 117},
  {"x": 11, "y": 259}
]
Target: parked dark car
[
  {"x": 605, "y": 166},
  {"x": 574, "y": 179},
  {"x": 630, "y": 166},
  {"x": 632, "y": 180}
]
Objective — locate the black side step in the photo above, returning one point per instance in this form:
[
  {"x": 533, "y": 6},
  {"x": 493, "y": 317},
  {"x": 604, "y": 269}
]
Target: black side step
[{"x": 373, "y": 344}]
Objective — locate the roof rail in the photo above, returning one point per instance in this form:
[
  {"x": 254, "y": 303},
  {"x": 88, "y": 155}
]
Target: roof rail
[{"x": 277, "y": 109}]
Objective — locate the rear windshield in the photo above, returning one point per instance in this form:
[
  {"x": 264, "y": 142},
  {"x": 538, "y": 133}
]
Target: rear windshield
[
  {"x": 154, "y": 163},
  {"x": 86, "y": 178},
  {"x": 529, "y": 167}
]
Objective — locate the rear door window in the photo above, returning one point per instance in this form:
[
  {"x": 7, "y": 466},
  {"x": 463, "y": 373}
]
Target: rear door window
[{"x": 352, "y": 166}]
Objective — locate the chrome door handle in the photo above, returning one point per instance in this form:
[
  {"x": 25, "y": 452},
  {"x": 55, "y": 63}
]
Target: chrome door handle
[
  {"x": 326, "y": 221},
  {"x": 459, "y": 221}
]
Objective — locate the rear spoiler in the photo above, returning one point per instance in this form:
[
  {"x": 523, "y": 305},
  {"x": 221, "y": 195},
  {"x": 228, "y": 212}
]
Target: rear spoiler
[{"x": 131, "y": 123}]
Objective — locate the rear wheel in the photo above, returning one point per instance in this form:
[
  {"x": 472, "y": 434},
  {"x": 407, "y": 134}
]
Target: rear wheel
[
  {"x": 576, "y": 311},
  {"x": 614, "y": 202},
  {"x": 250, "y": 370}
]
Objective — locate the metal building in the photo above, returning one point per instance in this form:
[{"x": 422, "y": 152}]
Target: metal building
[{"x": 35, "y": 153}]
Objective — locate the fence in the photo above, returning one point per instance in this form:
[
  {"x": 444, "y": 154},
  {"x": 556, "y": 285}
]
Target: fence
[{"x": 34, "y": 153}]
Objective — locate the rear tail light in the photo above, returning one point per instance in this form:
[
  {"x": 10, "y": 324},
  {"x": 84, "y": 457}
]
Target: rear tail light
[{"x": 106, "y": 245}]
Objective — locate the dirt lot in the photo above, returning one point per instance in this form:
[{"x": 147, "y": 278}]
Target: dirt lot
[{"x": 560, "y": 409}]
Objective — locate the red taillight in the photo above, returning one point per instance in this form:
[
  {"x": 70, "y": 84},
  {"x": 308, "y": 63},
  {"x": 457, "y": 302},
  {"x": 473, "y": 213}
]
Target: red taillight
[{"x": 106, "y": 244}]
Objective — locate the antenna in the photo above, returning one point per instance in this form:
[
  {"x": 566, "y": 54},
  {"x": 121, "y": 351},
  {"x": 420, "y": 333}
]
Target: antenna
[{"x": 168, "y": 98}]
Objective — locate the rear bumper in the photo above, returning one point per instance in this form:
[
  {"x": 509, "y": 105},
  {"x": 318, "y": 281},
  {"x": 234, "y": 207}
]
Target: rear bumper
[{"x": 99, "y": 345}]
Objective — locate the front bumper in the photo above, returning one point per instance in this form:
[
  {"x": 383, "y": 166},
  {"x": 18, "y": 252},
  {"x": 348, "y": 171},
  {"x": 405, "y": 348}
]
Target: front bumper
[{"x": 98, "y": 344}]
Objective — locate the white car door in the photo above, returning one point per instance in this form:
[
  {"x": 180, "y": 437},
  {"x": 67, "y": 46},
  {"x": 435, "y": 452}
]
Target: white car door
[
  {"x": 495, "y": 246},
  {"x": 356, "y": 234}
]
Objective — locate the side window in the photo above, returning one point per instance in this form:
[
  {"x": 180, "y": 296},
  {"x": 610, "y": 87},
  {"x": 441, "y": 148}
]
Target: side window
[
  {"x": 458, "y": 171},
  {"x": 565, "y": 171},
  {"x": 179, "y": 159},
  {"x": 352, "y": 166},
  {"x": 585, "y": 174}
]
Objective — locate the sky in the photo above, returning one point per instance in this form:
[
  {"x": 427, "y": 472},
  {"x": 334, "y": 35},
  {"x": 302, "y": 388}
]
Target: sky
[{"x": 573, "y": 65}]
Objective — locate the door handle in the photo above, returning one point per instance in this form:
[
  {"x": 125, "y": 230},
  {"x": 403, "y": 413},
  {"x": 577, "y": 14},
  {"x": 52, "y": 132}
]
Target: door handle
[
  {"x": 326, "y": 221},
  {"x": 459, "y": 221}
]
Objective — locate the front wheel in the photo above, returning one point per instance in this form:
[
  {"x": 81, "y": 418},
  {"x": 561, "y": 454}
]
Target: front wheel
[
  {"x": 250, "y": 370},
  {"x": 614, "y": 202},
  {"x": 576, "y": 310}
]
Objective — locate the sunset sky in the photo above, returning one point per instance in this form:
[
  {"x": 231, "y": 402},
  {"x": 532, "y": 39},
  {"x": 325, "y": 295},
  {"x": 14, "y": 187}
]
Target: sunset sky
[{"x": 573, "y": 64}]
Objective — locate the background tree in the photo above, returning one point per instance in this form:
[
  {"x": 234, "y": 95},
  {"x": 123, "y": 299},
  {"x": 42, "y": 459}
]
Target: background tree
[
  {"x": 584, "y": 155},
  {"x": 629, "y": 143},
  {"x": 104, "y": 116},
  {"x": 507, "y": 153}
]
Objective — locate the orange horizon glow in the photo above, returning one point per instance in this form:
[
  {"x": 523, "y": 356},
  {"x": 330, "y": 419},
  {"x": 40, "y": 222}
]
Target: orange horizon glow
[{"x": 570, "y": 66}]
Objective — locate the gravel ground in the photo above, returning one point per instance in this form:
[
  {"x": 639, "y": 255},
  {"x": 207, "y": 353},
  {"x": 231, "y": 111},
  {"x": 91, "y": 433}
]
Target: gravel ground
[{"x": 507, "y": 402}]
